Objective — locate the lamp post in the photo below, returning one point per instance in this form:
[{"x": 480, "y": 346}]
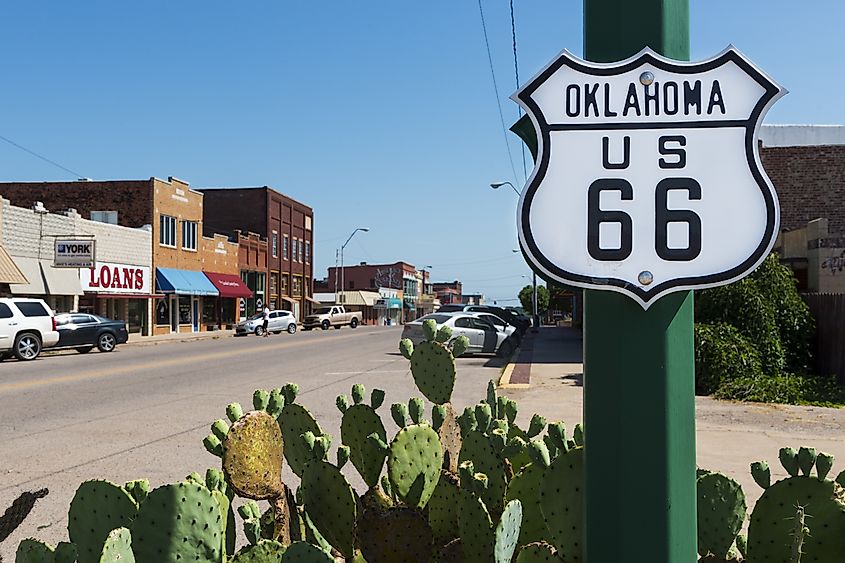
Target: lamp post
[
  {"x": 342, "y": 280},
  {"x": 535, "y": 319}
]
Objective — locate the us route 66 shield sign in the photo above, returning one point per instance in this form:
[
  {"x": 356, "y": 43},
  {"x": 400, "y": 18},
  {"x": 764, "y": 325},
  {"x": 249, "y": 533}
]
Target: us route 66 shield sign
[{"x": 648, "y": 178}]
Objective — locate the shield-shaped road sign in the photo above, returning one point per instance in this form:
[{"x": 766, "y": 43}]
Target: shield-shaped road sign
[{"x": 648, "y": 178}]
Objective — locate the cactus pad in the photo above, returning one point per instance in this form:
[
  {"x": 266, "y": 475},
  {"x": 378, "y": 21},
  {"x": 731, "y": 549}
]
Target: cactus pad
[
  {"x": 433, "y": 368},
  {"x": 295, "y": 421},
  {"x": 721, "y": 513},
  {"x": 97, "y": 508},
  {"x": 397, "y": 534},
  {"x": 507, "y": 532},
  {"x": 177, "y": 523},
  {"x": 561, "y": 503},
  {"x": 414, "y": 462},
  {"x": 118, "y": 547},
  {"x": 538, "y": 552},
  {"x": 252, "y": 456},
  {"x": 477, "y": 535},
  {"x": 304, "y": 552},
  {"x": 33, "y": 551},
  {"x": 359, "y": 421},
  {"x": 442, "y": 515},
  {"x": 265, "y": 551},
  {"x": 478, "y": 448},
  {"x": 525, "y": 486},
  {"x": 331, "y": 503}
]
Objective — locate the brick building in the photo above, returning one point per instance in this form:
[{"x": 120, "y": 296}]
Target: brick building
[
  {"x": 400, "y": 276},
  {"x": 170, "y": 209},
  {"x": 221, "y": 265},
  {"x": 287, "y": 227},
  {"x": 449, "y": 292}
]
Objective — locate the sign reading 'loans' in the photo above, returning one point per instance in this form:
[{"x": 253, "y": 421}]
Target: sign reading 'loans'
[{"x": 648, "y": 178}]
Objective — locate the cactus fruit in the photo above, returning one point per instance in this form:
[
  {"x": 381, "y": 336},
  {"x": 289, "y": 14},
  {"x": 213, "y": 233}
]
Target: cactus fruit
[
  {"x": 442, "y": 515},
  {"x": 331, "y": 504},
  {"x": 721, "y": 514},
  {"x": 304, "y": 552},
  {"x": 359, "y": 421},
  {"x": 118, "y": 547},
  {"x": 561, "y": 502},
  {"x": 265, "y": 551},
  {"x": 396, "y": 534},
  {"x": 478, "y": 448},
  {"x": 97, "y": 508},
  {"x": 772, "y": 528},
  {"x": 413, "y": 464},
  {"x": 252, "y": 456},
  {"x": 538, "y": 552},
  {"x": 189, "y": 511},
  {"x": 20, "y": 509},
  {"x": 294, "y": 421}
]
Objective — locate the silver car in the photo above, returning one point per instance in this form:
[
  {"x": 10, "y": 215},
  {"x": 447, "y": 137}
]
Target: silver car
[
  {"x": 279, "y": 320},
  {"x": 483, "y": 336}
]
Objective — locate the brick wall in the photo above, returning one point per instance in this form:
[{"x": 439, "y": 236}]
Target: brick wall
[
  {"x": 175, "y": 199},
  {"x": 219, "y": 255},
  {"x": 228, "y": 210},
  {"x": 810, "y": 182}
]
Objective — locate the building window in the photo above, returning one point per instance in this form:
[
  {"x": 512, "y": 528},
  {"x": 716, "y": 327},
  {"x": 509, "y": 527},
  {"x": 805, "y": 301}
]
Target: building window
[
  {"x": 189, "y": 235},
  {"x": 295, "y": 249},
  {"x": 297, "y": 286},
  {"x": 307, "y": 252},
  {"x": 285, "y": 248},
  {"x": 167, "y": 230},
  {"x": 274, "y": 244},
  {"x": 109, "y": 217},
  {"x": 285, "y": 284}
]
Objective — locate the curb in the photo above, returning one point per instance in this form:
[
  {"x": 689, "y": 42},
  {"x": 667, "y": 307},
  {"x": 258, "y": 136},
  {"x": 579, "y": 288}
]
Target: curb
[
  {"x": 211, "y": 336},
  {"x": 505, "y": 378}
]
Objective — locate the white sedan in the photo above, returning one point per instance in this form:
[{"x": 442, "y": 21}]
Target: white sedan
[{"x": 483, "y": 336}]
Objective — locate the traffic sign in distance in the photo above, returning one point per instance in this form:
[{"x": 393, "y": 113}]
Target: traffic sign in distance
[{"x": 648, "y": 178}]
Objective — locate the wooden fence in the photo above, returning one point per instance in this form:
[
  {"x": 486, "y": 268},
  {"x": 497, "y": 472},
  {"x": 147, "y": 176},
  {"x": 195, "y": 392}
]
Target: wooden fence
[{"x": 829, "y": 312}]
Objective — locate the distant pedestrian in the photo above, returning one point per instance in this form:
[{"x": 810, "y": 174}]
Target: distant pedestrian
[{"x": 266, "y": 321}]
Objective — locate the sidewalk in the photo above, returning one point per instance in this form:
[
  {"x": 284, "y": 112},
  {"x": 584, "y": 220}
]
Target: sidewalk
[
  {"x": 136, "y": 339},
  {"x": 546, "y": 377}
]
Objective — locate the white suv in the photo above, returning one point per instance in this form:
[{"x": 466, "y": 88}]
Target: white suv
[{"x": 26, "y": 326}]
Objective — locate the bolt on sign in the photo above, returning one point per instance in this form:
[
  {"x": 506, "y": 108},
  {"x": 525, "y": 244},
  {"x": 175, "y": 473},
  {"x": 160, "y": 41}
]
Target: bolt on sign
[
  {"x": 74, "y": 253},
  {"x": 648, "y": 178}
]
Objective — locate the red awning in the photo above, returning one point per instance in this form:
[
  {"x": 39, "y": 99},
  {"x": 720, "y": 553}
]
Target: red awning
[{"x": 229, "y": 285}]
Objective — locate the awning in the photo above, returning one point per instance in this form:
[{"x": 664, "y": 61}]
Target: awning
[
  {"x": 392, "y": 303},
  {"x": 9, "y": 271},
  {"x": 229, "y": 285},
  {"x": 61, "y": 281},
  {"x": 183, "y": 282},
  {"x": 288, "y": 299},
  {"x": 32, "y": 271},
  {"x": 314, "y": 301}
]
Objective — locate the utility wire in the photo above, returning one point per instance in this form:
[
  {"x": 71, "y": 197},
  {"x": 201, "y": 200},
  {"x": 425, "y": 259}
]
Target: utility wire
[
  {"x": 516, "y": 72},
  {"x": 496, "y": 91},
  {"x": 44, "y": 158}
]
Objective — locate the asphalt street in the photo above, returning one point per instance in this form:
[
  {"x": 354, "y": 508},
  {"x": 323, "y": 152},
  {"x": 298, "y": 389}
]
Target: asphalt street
[{"x": 143, "y": 410}]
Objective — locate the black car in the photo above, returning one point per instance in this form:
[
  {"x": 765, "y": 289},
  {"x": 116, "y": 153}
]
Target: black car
[{"x": 83, "y": 331}]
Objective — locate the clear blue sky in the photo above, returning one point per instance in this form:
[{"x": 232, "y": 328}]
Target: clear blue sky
[{"x": 378, "y": 114}]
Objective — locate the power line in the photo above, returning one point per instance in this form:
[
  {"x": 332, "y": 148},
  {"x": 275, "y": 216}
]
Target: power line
[
  {"x": 516, "y": 72},
  {"x": 496, "y": 91},
  {"x": 44, "y": 158}
]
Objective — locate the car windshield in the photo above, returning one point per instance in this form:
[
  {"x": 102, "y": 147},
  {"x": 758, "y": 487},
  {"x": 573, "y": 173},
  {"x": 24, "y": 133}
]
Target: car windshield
[
  {"x": 323, "y": 311},
  {"x": 439, "y": 319}
]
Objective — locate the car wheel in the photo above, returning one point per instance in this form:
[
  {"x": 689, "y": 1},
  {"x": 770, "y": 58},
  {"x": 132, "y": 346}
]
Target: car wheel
[
  {"x": 353, "y": 323},
  {"x": 27, "y": 346},
  {"x": 325, "y": 325},
  {"x": 259, "y": 331},
  {"x": 292, "y": 328},
  {"x": 84, "y": 349},
  {"x": 106, "y": 342}
]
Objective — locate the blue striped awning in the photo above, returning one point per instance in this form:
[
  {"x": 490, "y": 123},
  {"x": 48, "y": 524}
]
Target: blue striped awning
[{"x": 183, "y": 282}]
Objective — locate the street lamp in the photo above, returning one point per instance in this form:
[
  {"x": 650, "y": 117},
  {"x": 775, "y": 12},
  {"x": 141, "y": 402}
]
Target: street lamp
[
  {"x": 342, "y": 279},
  {"x": 536, "y": 316}
]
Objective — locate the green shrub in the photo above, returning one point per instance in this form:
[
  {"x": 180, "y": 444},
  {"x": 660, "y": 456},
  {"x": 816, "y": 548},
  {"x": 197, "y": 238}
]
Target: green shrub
[
  {"x": 795, "y": 323},
  {"x": 744, "y": 306},
  {"x": 722, "y": 354},
  {"x": 790, "y": 388}
]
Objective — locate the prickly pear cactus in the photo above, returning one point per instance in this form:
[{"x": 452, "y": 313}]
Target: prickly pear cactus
[
  {"x": 478, "y": 448},
  {"x": 265, "y": 551},
  {"x": 538, "y": 552},
  {"x": 359, "y": 421},
  {"x": 442, "y": 515},
  {"x": 97, "y": 508},
  {"x": 331, "y": 504},
  {"x": 413, "y": 464},
  {"x": 561, "y": 501},
  {"x": 507, "y": 532},
  {"x": 721, "y": 514},
  {"x": 172, "y": 513},
  {"x": 294, "y": 421},
  {"x": 304, "y": 552},
  {"x": 525, "y": 486},
  {"x": 396, "y": 534},
  {"x": 31, "y": 550},
  {"x": 773, "y": 521},
  {"x": 432, "y": 362},
  {"x": 252, "y": 456},
  {"x": 446, "y": 423},
  {"x": 478, "y": 536},
  {"x": 118, "y": 547}
]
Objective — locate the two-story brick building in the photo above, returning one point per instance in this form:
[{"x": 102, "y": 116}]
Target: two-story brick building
[{"x": 286, "y": 225}]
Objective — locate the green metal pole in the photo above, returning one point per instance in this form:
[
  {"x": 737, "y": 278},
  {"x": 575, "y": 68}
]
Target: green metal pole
[{"x": 639, "y": 382}]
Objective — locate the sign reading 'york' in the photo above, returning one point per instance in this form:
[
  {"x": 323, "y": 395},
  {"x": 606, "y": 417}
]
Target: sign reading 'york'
[
  {"x": 648, "y": 178},
  {"x": 116, "y": 278}
]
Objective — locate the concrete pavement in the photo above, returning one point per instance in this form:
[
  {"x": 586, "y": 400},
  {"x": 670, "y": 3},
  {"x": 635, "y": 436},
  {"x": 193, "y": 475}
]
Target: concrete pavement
[{"x": 729, "y": 436}]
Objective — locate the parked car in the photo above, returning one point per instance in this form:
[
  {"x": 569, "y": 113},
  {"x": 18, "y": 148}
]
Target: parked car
[
  {"x": 83, "y": 331},
  {"x": 483, "y": 336},
  {"x": 496, "y": 321},
  {"x": 280, "y": 320},
  {"x": 26, "y": 327},
  {"x": 521, "y": 323},
  {"x": 334, "y": 316}
]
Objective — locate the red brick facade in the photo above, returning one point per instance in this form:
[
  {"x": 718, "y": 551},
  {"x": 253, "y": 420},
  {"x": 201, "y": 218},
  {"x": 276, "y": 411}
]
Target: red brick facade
[{"x": 810, "y": 182}]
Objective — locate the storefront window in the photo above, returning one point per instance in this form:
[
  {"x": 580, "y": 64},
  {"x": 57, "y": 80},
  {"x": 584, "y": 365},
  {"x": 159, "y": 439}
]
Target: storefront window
[
  {"x": 162, "y": 311},
  {"x": 184, "y": 309},
  {"x": 209, "y": 312}
]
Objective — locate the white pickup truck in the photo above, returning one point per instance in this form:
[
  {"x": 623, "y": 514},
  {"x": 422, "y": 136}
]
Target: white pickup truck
[{"x": 334, "y": 316}]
